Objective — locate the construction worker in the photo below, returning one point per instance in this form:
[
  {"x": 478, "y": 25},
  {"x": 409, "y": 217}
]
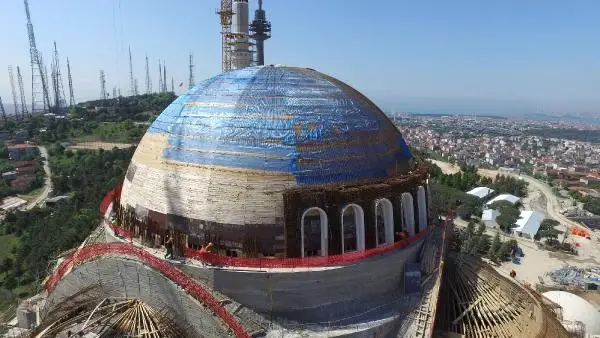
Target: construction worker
[{"x": 169, "y": 246}]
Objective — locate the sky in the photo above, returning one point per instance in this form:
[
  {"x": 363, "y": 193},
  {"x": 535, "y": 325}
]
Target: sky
[{"x": 493, "y": 57}]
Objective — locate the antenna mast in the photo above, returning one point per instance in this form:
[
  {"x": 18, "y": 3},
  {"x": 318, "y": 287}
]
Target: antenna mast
[
  {"x": 60, "y": 104},
  {"x": 160, "y": 76},
  {"x": 24, "y": 110},
  {"x": 14, "y": 92},
  {"x": 191, "y": 80},
  {"x": 71, "y": 95},
  {"x": 131, "y": 81},
  {"x": 103, "y": 86},
  {"x": 148, "y": 81},
  {"x": 37, "y": 70},
  {"x": 2, "y": 110}
]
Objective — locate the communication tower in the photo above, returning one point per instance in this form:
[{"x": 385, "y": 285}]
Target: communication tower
[
  {"x": 160, "y": 77},
  {"x": 71, "y": 95},
  {"x": 60, "y": 104},
  {"x": 38, "y": 77},
  {"x": 2, "y": 110},
  {"x": 131, "y": 80},
  {"x": 148, "y": 80},
  {"x": 13, "y": 91},
  {"x": 262, "y": 31},
  {"x": 24, "y": 110},
  {"x": 103, "y": 86},
  {"x": 191, "y": 79}
]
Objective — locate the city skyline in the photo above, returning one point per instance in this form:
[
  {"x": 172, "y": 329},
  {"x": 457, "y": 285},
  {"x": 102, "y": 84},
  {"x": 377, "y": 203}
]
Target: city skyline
[{"x": 462, "y": 57}]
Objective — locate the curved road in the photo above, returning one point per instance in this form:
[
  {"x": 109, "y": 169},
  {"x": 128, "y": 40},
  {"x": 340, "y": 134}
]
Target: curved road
[{"x": 47, "y": 189}]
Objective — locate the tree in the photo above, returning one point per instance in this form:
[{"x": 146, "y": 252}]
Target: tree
[
  {"x": 509, "y": 214},
  {"x": 506, "y": 249},
  {"x": 493, "y": 252}
]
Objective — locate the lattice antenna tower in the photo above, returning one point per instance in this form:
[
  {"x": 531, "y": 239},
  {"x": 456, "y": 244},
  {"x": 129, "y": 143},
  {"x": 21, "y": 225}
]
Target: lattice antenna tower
[
  {"x": 172, "y": 84},
  {"x": 13, "y": 91},
  {"x": 164, "y": 78},
  {"x": 71, "y": 95},
  {"x": 191, "y": 82},
  {"x": 38, "y": 77},
  {"x": 2, "y": 109},
  {"x": 160, "y": 76},
  {"x": 131, "y": 80},
  {"x": 148, "y": 80},
  {"x": 60, "y": 103},
  {"x": 114, "y": 92},
  {"x": 225, "y": 14},
  {"x": 135, "y": 87},
  {"x": 24, "y": 110},
  {"x": 103, "y": 86}
]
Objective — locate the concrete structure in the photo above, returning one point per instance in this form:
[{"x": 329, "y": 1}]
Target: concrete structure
[
  {"x": 481, "y": 192},
  {"x": 240, "y": 54},
  {"x": 489, "y": 217},
  {"x": 528, "y": 223},
  {"x": 504, "y": 197},
  {"x": 576, "y": 309}
]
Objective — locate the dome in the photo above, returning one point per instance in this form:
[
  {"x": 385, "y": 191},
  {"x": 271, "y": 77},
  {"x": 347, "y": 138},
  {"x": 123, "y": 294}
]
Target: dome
[
  {"x": 575, "y": 308},
  {"x": 223, "y": 153},
  {"x": 284, "y": 120}
]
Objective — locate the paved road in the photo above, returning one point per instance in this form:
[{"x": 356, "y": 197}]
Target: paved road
[{"x": 47, "y": 189}]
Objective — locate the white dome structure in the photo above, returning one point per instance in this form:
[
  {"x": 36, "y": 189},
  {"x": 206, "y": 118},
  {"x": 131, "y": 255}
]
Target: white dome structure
[{"x": 575, "y": 308}]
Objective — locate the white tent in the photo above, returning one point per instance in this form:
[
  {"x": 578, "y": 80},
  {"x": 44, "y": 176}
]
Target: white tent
[
  {"x": 504, "y": 197},
  {"x": 489, "y": 217},
  {"x": 528, "y": 223},
  {"x": 480, "y": 192}
]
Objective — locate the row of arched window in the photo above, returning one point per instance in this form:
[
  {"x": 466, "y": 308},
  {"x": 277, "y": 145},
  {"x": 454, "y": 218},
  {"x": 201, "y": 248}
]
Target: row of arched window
[{"x": 314, "y": 224}]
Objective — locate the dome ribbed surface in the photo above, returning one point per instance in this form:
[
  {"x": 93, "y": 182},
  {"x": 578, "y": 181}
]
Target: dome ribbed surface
[{"x": 282, "y": 120}]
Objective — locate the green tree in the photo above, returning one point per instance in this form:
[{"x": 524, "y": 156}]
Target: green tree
[{"x": 494, "y": 251}]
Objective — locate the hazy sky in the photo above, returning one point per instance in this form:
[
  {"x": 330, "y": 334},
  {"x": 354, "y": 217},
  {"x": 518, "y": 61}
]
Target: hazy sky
[{"x": 492, "y": 56}]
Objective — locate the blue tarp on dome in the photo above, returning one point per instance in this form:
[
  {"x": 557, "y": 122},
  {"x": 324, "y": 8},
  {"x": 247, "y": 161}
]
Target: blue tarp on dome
[{"x": 283, "y": 119}]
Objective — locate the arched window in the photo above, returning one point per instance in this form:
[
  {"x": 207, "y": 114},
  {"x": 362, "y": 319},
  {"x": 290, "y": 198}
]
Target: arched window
[
  {"x": 408, "y": 213},
  {"x": 313, "y": 232},
  {"x": 353, "y": 228},
  {"x": 384, "y": 221},
  {"x": 422, "y": 201}
]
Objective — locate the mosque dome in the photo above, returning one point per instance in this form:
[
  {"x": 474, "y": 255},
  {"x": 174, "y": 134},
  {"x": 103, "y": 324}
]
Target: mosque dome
[{"x": 223, "y": 152}]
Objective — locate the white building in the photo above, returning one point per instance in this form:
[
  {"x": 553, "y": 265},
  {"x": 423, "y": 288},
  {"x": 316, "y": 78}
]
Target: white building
[
  {"x": 504, "y": 197},
  {"x": 528, "y": 223},
  {"x": 489, "y": 217},
  {"x": 481, "y": 192}
]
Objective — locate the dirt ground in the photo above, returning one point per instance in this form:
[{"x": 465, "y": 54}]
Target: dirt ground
[
  {"x": 447, "y": 168},
  {"x": 99, "y": 145}
]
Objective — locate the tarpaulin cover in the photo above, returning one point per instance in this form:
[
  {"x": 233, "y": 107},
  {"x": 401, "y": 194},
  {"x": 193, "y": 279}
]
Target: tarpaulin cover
[{"x": 282, "y": 119}]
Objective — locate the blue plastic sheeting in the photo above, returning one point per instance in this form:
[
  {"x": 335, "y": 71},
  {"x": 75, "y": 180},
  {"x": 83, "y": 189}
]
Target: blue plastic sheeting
[
  {"x": 283, "y": 119},
  {"x": 412, "y": 277}
]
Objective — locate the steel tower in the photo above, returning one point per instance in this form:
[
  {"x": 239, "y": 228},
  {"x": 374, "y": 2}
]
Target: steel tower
[
  {"x": 191, "y": 82},
  {"x": 131, "y": 80},
  {"x": 160, "y": 77},
  {"x": 60, "y": 103},
  {"x": 148, "y": 80},
  {"x": 38, "y": 77},
  {"x": 262, "y": 31},
  {"x": 24, "y": 110},
  {"x": 2, "y": 110},
  {"x": 13, "y": 91},
  {"x": 71, "y": 95},
  {"x": 103, "y": 86}
]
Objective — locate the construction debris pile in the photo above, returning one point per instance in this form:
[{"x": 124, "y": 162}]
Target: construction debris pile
[{"x": 588, "y": 278}]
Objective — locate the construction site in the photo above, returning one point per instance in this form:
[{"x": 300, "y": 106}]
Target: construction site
[{"x": 270, "y": 201}]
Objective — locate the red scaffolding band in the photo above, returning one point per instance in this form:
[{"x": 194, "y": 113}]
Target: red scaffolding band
[{"x": 191, "y": 286}]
